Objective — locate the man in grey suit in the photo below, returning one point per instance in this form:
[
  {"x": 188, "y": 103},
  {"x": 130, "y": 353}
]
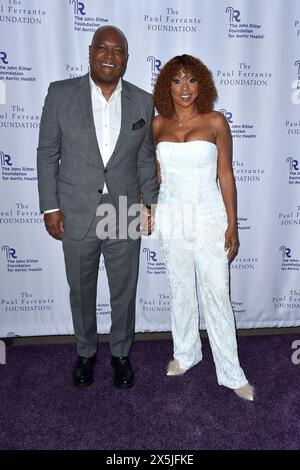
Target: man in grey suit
[{"x": 95, "y": 145}]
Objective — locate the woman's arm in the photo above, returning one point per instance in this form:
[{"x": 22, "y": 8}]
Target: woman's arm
[
  {"x": 156, "y": 123},
  {"x": 227, "y": 182}
]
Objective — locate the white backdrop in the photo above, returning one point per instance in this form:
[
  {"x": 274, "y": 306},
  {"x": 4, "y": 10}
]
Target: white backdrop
[{"x": 252, "y": 48}]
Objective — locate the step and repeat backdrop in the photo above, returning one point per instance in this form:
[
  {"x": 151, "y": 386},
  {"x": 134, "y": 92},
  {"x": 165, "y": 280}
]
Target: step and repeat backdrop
[{"x": 253, "y": 49}]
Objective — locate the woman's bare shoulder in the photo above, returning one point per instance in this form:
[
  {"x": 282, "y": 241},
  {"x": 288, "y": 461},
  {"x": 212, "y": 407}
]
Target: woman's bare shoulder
[
  {"x": 158, "y": 123},
  {"x": 158, "y": 120},
  {"x": 217, "y": 119}
]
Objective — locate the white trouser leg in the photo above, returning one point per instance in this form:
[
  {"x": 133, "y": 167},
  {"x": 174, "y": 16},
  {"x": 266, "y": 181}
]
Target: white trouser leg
[
  {"x": 184, "y": 309},
  {"x": 213, "y": 287}
]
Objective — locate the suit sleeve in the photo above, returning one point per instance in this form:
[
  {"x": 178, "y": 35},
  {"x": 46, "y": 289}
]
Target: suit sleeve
[
  {"x": 146, "y": 165},
  {"x": 48, "y": 153}
]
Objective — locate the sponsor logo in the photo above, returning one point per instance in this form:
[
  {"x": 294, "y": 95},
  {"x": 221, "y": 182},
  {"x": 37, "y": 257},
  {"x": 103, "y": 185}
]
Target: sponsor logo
[
  {"x": 25, "y": 302},
  {"x": 155, "y": 63},
  {"x": 5, "y": 159},
  {"x": 293, "y": 127},
  {"x": 78, "y": 7},
  {"x": 291, "y": 217},
  {"x": 14, "y": 264},
  {"x": 3, "y": 57},
  {"x": 11, "y": 334},
  {"x": 21, "y": 214},
  {"x": 18, "y": 117},
  {"x": 244, "y": 263},
  {"x": 244, "y": 174},
  {"x": 294, "y": 170},
  {"x": 286, "y": 252},
  {"x": 15, "y": 72},
  {"x": 160, "y": 304},
  {"x": 290, "y": 300},
  {"x": 73, "y": 71},
  {"x": 153, "y": 265},
  {"x": 288, "y": 261},
  {"x": 295, "y": 96},
  {"x": 155, "y": 67},
  {"x": 243, "y": 74},
  {"x": 240, "y": 30},
  {"x": 171, "y": 20},
  {"x": 239, "y": 130},
  {"x": 227, "y": 115},
  {"x": 15, "y": 12},
  {"x": 234, "y": 15},
  {"x": 11, "y": 172},
  {"x": 150, "y": 255},
  {"x": 83, "y": 22}
]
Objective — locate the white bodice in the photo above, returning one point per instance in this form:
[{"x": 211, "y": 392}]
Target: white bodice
[{"x": 189, "y": 173}]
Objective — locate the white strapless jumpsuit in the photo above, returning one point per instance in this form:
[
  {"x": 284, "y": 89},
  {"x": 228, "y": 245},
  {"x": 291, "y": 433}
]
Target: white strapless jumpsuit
[{"x": 190, "y": 223}]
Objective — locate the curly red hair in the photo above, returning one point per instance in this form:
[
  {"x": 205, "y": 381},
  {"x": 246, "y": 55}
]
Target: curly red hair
[{"x": 207, "y": 91}]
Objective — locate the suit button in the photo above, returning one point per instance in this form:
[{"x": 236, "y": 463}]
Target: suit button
[
  {"x": 100, "y": 191},
  {"x": 105, "y": 170}
]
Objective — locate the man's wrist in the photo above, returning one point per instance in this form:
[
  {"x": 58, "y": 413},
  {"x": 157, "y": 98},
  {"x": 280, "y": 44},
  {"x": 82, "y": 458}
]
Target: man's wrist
[{"x": 50, "y": 210}]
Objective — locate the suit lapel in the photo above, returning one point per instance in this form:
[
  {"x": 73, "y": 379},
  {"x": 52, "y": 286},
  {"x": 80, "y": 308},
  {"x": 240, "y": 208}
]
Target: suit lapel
[
  {"x": 85, "y": 103},
  {"x": 126, "y": 112}
]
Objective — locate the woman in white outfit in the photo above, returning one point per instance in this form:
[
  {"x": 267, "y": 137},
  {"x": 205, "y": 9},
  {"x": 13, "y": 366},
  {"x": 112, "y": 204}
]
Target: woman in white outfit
[{"x": 196, "y": 217}]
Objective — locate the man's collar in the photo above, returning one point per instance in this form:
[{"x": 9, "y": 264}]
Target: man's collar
[{"x": 96, "y": 87}]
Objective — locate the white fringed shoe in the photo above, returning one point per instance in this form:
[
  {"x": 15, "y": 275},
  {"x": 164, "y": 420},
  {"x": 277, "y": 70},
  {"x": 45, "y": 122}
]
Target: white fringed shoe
[
  {"x": 246, "y": 392},
  {"x": 174, "y": 368}
]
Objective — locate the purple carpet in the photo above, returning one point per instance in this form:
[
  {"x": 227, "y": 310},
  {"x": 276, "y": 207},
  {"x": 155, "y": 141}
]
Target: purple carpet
[{"x": 40, "y": 408}]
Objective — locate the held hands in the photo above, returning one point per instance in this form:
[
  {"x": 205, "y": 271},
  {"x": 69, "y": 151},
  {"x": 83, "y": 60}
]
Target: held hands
[
  {"x": 231, "y": 242},
  {"x": 147, "y": 220},
  {"x": 54, "y": 223}
]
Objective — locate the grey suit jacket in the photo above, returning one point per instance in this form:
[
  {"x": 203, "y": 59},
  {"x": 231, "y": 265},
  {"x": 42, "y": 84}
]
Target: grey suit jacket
[{"x": 71, "y": 173}]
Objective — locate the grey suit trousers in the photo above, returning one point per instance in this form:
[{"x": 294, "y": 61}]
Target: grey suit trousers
[{"x": 121, "y": 258}]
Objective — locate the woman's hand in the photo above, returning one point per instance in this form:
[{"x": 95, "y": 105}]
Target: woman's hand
[{"x": 231, "y": 242}]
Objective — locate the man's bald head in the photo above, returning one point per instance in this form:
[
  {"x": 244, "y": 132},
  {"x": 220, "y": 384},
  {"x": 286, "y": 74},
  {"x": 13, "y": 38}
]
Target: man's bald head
[{"x": 114, "y": 28}]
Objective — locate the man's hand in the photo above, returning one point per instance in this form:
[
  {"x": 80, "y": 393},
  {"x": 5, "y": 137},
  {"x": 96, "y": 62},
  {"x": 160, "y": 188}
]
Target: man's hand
[
  {"x": 54, "y": 223},
  {"x": 231, "y": 242}
]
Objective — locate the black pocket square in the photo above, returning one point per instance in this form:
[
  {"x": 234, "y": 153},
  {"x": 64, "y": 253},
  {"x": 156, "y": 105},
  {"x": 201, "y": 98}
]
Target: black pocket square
[{"x": 138, "y": 124}]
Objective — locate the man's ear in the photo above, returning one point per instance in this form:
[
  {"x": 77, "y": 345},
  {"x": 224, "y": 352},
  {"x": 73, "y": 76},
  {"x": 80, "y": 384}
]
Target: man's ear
[{"x": 125, "y": 65}]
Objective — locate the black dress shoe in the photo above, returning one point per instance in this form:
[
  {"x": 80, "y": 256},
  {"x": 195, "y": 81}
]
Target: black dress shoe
[
  {"x": 83, "y": 371},
  {"x": 123, "y": 372}
]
